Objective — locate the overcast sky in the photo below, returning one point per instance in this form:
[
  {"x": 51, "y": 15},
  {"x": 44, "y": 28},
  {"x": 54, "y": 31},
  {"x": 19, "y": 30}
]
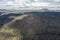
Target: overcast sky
[{"x": 30, "y": 4}]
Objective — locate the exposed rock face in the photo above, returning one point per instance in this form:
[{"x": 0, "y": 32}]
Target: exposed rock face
[{"x": 32, "y": 26}]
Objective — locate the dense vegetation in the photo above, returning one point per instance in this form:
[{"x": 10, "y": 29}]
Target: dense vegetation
[{"x": 36, "y": 26}]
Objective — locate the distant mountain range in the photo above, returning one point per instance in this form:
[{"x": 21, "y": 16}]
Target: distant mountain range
[{"x": 41, "y": 10}]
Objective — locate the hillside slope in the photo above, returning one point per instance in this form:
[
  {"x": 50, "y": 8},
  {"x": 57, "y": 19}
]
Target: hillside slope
[{"x": 32, "y": 26}]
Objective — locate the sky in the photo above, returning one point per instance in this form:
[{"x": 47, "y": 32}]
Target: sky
[{"x": 30, "y": 4}]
